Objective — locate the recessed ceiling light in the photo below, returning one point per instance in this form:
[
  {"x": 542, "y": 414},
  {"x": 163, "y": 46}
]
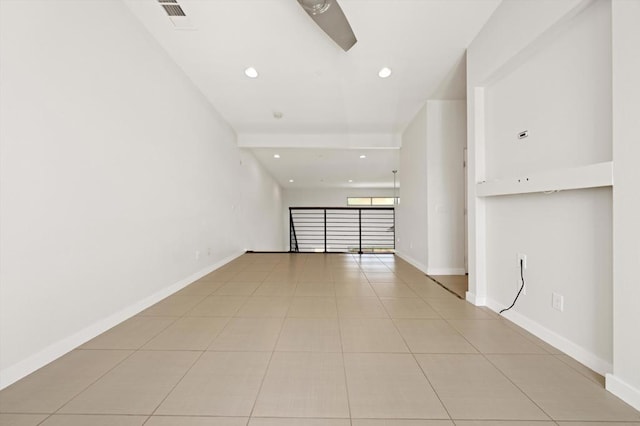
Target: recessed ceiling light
[
  {"x": 290, "y": 180},
  {"x": 276, "y": 155},
  {"x": 384, "y": 72},
  {"x": 363, "y": 156},
  {"x": 251, "y": 72},
  {"x": 350, "y": 180}
]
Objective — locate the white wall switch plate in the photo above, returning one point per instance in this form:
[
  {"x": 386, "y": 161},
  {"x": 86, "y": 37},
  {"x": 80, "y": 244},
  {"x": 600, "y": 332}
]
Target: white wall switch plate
[{"x": 557, "y": 301}]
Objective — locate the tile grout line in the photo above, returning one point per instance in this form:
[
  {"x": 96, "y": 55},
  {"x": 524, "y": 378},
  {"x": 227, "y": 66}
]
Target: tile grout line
[
  {"x": 515, "y": 384},
  {"x": 453, "y": 327},
  {"x": 94, "y": 382},
  {"x": 424, "y": 374},
  {"x": 484, "y": 355},
  {"x": 342, "y": 348},
  {"x": 411, "y": 352},
  {"x": 344, "y": 364},
  {"x": 560, "y": 358},
  {"x": 47, "y": 417},
  {"x": 194, "y": 362},
  {"x": 273, "y": 351},
  {"x": 132, "y": 352}
]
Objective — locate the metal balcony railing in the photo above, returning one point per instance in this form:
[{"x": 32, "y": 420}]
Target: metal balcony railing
[{"x": 342, "y": 229}]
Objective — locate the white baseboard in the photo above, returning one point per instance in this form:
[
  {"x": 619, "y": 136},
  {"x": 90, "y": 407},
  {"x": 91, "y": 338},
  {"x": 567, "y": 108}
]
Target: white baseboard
[
  {"x": 575, "y": 351},
  {"x": 54, "y": 351},
  {"x": 623, "y": 390},
  {"x": 445, "y": 271},
  {"x": 422, "y": 267},
  {"x": 475, "y": 300},
  {"x": 430, "y": 271}
]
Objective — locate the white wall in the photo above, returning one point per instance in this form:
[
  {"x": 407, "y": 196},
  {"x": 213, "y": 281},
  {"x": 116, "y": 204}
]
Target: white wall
[
  {"x": 507, "y": 36},
  {"x": 567, "y": 239},
  {"x": 114, "y": 172},
  {"x": 430, "y": 218},
  {"x": 329, "y": 197},
  {"x": 562, "y": 95},
  {"x": 260, "y": 204},
  {"x": 511, "y": 28},
  {"x": 625, "y": 380},
  {"x": 411, "y": 214},
  {"x": 544, "y": 67},
  {"x": 446, "y": 140}
]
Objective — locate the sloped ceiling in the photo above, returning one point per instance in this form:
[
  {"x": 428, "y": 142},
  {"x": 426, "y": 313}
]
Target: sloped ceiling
[{"x": 316, "y": 87}]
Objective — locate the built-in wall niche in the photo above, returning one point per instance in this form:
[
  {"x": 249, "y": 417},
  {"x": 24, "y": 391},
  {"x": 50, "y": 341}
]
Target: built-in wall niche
[
  {"x": 549, "y": 127},
  {"x": 542, "y": 122}
]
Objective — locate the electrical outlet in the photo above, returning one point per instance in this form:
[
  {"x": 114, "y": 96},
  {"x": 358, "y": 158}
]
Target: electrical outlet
[
  {"x": 523, "y": 258},
  {"x": 197, "y": 254},
  {"x": 557, "y": 301}
]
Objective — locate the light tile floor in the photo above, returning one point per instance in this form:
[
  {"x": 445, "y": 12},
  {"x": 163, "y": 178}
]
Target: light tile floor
[
  {"x": 458, "y": 284},
  {"x": 314, "y": 340}
]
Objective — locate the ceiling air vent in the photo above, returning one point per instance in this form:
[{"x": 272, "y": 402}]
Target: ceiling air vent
[
  {"x": 176, "y": 14},
  {"x": 173, "y": 9}
]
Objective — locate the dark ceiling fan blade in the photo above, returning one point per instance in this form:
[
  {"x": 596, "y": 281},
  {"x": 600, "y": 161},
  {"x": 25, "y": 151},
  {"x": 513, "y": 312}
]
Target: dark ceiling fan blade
[{"x": 329, "y": 16}]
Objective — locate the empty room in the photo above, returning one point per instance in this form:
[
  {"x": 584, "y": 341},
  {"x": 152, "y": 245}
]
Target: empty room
[{"x": 319, "y": 212}]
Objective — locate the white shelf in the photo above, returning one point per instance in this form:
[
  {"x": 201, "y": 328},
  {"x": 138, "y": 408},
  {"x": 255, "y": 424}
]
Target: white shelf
[{"x": 591, "y": 176}]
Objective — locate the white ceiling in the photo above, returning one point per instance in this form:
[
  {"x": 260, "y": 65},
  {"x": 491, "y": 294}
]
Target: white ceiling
[
  {"x": 331, "y": 168},
  {"x": 319, "y": 88}
]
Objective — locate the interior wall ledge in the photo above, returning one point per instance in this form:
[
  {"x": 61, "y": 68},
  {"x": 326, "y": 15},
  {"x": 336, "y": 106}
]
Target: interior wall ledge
[{"x": 589, "y": 176}]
